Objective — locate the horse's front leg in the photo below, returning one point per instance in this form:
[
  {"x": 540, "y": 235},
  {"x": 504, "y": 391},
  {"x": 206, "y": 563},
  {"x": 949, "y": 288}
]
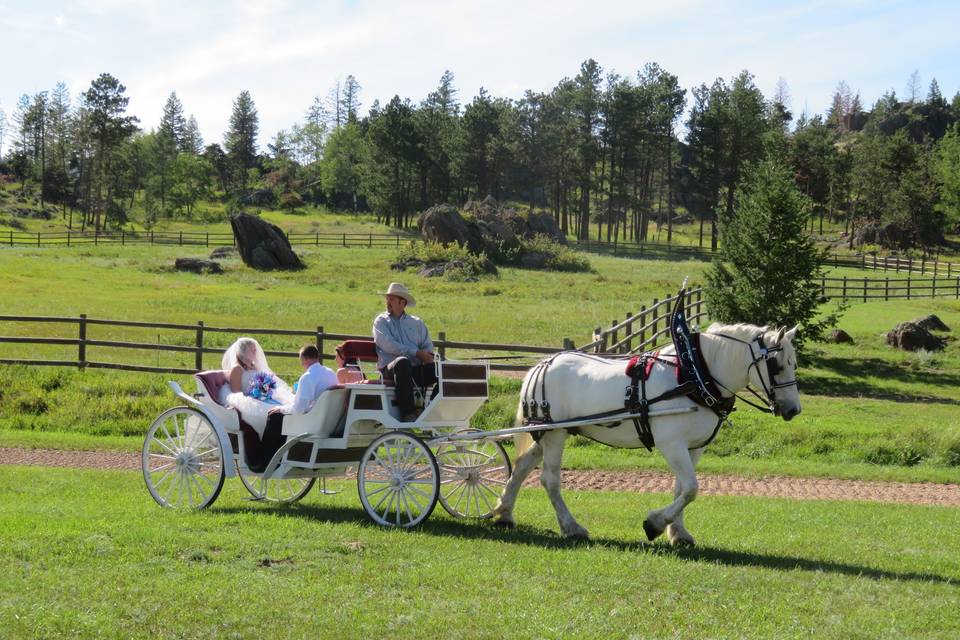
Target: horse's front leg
[
  {"x": 524, "y": 464},
  {"x": 552, "y": 442},
  {"x": 676, "y": 532},
  {"x": 680, "y": 462}
]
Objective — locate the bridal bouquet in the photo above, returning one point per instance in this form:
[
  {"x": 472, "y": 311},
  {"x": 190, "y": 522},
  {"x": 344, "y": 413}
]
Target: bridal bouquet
[{"x": 262, "y": 386}]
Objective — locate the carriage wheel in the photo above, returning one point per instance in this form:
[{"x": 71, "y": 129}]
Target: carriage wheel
[
  {"x": 285, "y": 490},
  {"x": 473, "y": 474},
  {"x": 182, "y": 460},
  {"x": 398, "y": 480}
]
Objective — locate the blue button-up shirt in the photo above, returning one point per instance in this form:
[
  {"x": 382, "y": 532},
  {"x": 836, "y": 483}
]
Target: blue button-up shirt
[{"x": 402, "y": 336}]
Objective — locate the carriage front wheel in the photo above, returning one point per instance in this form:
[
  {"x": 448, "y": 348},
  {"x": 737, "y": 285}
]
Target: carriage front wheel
[
  {"x": 286, "y": 490},
  {"x": 398, "y": 480},
  {"x": 182, "y": 460},
  {"x": 473, "y": 474}
]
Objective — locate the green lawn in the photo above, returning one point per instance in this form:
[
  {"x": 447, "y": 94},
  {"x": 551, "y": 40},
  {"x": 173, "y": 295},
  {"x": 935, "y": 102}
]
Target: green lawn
[
  {"x": 869, "y": 411},
  {"x": 88, "y": 554}
]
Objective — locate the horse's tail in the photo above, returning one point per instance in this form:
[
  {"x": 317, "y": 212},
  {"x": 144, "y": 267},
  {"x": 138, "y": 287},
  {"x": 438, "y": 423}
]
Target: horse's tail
[{"x": 521, "y": 441}]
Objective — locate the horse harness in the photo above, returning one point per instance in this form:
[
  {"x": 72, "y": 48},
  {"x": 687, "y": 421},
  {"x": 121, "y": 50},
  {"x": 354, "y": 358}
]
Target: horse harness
[{"x": 693, "y": 380}]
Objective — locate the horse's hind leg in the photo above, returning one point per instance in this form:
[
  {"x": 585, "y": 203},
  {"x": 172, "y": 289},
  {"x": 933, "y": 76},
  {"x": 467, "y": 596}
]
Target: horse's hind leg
[
  {"x": 676, "y": 533},
  {"x": 552, "y": 442},
  {"x": 681, "y": 463},
  {"x": 523, "y": 465}
]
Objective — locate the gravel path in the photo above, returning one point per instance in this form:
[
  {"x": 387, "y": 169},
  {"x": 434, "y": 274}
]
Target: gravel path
[{"x": 639, "y": 481}]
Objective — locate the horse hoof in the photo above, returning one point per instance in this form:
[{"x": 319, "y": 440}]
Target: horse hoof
[
  {"x": 504, "y": 524},
  {"x": 651, "y": 531}
]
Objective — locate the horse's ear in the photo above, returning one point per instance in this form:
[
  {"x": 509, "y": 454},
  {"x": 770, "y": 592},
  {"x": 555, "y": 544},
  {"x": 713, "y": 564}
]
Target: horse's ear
[
  {"x": 792, "y": 333},
  {"x": 779, "y": 337}
]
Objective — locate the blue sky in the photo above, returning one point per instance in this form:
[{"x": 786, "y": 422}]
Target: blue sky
[{"x": 285, "y": 52}]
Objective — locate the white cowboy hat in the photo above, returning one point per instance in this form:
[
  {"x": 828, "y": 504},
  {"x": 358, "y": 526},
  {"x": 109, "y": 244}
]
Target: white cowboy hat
[{"x": 397, "y": 289}]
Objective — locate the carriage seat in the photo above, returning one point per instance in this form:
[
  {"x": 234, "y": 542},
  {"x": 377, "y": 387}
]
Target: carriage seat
[
  {"x": 323, "y": 419},
  {"x": 212, "y": 382},
  {"x": 350, "y": 353}
]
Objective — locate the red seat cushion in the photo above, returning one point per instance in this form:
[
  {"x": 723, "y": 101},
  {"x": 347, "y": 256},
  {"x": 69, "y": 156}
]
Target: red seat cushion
[
  {"x": 352, "y": 351},
  {"x": 212, "y": 382}
]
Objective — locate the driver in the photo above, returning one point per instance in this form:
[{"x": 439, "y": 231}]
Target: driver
[{"x": 404, "y": 349}]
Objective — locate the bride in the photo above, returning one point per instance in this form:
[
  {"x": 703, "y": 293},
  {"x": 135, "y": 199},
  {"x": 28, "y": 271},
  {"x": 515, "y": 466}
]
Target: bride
[{"x": 252, "y": 388}]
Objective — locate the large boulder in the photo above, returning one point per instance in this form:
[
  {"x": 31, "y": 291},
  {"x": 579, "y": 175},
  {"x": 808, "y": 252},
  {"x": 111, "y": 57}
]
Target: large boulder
[
  {"x": 262, "y": 245},
  {"x": 910, "y": 336},
  {"x": 444, "y": 224}
]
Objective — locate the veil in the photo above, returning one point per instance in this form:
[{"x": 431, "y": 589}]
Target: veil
[{"x": 231, "y": 359}]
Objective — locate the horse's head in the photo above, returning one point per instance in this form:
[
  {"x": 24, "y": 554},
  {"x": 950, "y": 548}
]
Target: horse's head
[{"x": 775, "y": 371}]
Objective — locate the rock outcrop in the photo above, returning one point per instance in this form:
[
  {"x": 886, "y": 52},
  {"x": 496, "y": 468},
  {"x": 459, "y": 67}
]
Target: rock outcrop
[{"x": 262, "y": 245}]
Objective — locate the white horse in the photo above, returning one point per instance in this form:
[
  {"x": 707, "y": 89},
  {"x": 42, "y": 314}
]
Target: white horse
[{"x": 577, "y": 384}]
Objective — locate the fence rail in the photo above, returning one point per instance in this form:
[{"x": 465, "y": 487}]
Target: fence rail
[
  {"x": 908, "y": 288},
  {"x": 647, "y": 327},
  {"x": 198, "y": 343},
  {"x": 192, "y": 238}
]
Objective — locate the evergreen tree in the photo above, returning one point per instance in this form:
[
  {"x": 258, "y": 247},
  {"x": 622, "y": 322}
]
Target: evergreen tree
[
  {"x": 241, "y": 140},
  {"x": 106, "y": 105},
  {"x": 350, "y": 99},
  {"x": 173, "y": 125},
  {"x": 949, "y": 169},
  {"x": 768, "y": 269},
  {"x": 192, "y": 141}
]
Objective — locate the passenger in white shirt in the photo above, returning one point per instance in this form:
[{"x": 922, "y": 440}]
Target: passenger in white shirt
[{"x": 315, "y": 380}]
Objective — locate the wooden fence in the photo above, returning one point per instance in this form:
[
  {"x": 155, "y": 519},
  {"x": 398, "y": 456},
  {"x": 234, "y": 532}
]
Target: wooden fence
[
  {"x": 895, "y": 263},
  {"x": 192, "y": 238},
  {"x": 646, "y": 328},
  {"x": 194, "y": 339},
  {"x": 908, "y": 288}
]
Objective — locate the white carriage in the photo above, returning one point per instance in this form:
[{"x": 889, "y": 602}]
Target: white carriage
[{"x": 403, "y": 468}]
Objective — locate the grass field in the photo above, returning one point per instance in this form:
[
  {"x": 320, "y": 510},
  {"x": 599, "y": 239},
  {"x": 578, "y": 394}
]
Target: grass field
[
  {"x": 869, "y": 411},
  {"x": 88, "y": 554}
]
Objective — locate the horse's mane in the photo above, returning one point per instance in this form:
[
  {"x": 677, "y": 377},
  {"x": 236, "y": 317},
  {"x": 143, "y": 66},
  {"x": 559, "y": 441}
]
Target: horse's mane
[{"x": 741, "y": 330}]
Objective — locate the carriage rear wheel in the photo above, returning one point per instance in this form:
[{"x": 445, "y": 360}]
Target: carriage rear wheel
[
  {"x": 398, "y": 480},
  {"x": 182, "y": 460},
  {"x": 473, "y": 474},
  {"x": 285, "y": 490}
]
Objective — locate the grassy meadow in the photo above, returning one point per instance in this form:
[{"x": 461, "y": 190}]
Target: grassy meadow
[
  {"x": 88, "y": 554},
  {"x": 869, "y": 411}
]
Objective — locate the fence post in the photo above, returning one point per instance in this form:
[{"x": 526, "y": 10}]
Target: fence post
[
  {"x": 613, "y": 333},
  {"x": 344, "y": 239},
  {"x": 864, "y": 289},
  {"x": 38, "y": 239},
  {"x": 908, "y": 285},
  {"x": 11, "y": 237},
  {"x": 370, "y": 241},
  {"x": 319, "y": 342},
  {"x": 567, "y": 342},
  {"x": 318, "y": 238},
  {"x": 82, "y": 346},
  {"x": 923, "y": 266},
  {"x": 199, "y": 356},
  {"x": 96, "y": 237},
  {"x": 886, "y": 289},
  {"x": 844, "y": 287},
  {"x": 656, "y": 321},
  {"x": 68, "y": 237},
  {"x": 181, "y": 238},
  {"x": 123, "y": 238},
  {"x": 958, "y": 288},
  {"x": 863, "y": 261},
  {"x": 442, "y": 345},
  {"x": 208, "y": 239},
  {"x": 151, "y": 236},
  {"x": 627, "y": 330}
]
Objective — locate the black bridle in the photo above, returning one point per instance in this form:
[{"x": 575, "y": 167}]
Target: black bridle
[{"x": 767, "y": 355}]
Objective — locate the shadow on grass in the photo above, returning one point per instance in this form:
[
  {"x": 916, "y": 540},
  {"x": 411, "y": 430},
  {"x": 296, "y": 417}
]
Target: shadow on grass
[
  {"x": 853, "y": 384},
  {"x": 548, "y": 539}
]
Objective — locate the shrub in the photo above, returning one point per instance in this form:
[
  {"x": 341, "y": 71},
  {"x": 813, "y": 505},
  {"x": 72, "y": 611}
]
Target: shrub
[{"x": 559, "y": 257}]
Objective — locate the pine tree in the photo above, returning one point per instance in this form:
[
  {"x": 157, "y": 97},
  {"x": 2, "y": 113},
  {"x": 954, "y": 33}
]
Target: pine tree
[
  {"x": 350, "y": 99},
  {"x": 172, "y": 124},
  {"x": 241, "y": 139},
  {"x": 769, "y": 267},
  {"x": 192, "y": 141}
]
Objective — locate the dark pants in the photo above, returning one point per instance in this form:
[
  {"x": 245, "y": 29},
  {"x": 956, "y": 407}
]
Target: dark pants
[
  {"x": 271, "y": 441},
  {"x": 405, "y": 374}
]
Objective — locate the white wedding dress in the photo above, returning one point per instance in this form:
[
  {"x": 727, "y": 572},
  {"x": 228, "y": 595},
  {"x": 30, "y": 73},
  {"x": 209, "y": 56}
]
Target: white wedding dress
[{"x": 254, "y": 412}]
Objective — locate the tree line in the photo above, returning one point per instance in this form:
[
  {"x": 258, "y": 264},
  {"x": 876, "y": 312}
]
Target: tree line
[{"x": 618, "y": 158}]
